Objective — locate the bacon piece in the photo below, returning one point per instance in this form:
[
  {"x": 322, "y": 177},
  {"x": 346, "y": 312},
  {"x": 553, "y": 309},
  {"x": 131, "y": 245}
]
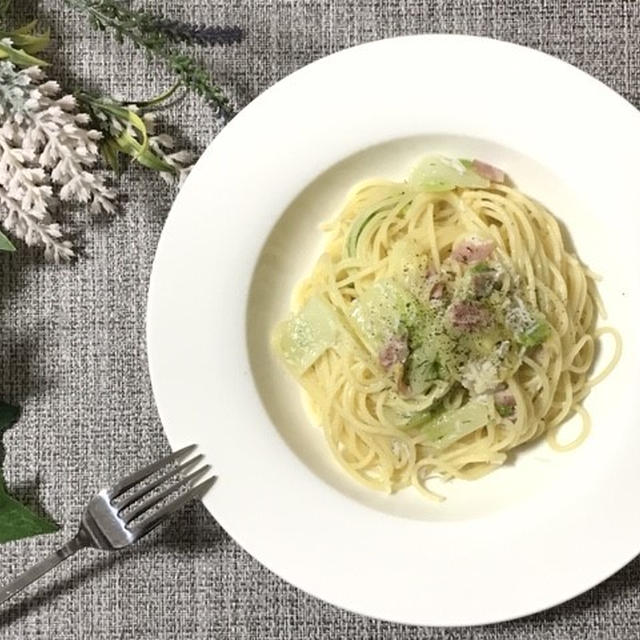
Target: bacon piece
[
  {"x": 396, "y": 350},
  {"x": 468, "y": 315},
  {"x": 472, "y": 250},
  {"x": 437, "y": 291},
  {"x": 488, "y": 171},
  {"x": 505, "y": 403},
  {"x": 505, "y": 398}
]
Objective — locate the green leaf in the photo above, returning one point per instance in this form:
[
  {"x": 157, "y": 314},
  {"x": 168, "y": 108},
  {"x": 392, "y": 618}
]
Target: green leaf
[
  {"x": 20, "y": 57},
  {"x": 8, "y": 416},
  {"x": 129, "y": 145},
  {"x": 27, "y": 38},
  {"x": 16, "y": 520},
  {"x": 128, "y": 116},
  {"x": 31, "y": 43},
  {"x": 134, "y": 144},
  {"x": 123, "y": 114},
  {"x": 110, "y": 152},
  {"x": 5, "y": 243},
  {"x": 28, "y": 28}
]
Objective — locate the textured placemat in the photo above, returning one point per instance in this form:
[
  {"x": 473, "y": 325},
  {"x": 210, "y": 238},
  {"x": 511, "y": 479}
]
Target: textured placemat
[{"x": 73, "y": 351}]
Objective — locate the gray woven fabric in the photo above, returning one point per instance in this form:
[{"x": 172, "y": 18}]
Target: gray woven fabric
[{"x": 73, "y": 348}]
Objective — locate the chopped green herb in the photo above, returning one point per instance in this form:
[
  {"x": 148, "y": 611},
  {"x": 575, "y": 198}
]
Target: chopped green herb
[
  {"x": 505, "y": 410},
  {"x": 535, "y": 334}
]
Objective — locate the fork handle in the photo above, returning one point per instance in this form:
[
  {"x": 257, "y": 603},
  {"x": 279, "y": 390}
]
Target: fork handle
[{"x": 44, "y": 566}]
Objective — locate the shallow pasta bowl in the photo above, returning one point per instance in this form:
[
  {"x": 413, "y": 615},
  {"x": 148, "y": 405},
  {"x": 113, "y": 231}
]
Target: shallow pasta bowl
[{"x": 243, "y": 231}]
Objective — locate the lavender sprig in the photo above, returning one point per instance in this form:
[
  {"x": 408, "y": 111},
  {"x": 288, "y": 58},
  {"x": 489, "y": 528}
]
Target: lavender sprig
[
  {"x": 154, "y": 34},
  {"x": 198, "y": 34}
]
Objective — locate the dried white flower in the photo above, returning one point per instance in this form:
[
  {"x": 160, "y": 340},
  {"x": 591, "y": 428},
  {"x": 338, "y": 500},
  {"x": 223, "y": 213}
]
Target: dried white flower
[
  {"x": 181, "y": 161},
  {"x": 14, "y": 89},
  {"x": 35, "y": 229},
  {"x": 162, "y": 145},
  {"x": 47, "y": 154}
]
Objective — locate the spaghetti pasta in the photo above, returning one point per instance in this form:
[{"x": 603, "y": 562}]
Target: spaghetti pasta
[{"x": 445, "y": 324}]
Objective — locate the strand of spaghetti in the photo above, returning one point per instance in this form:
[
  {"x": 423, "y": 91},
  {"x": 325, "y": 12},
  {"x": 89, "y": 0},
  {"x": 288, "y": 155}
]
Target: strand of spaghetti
[
  {"x": 552, "y": 435},
  {"x": 614, "y": 358}
]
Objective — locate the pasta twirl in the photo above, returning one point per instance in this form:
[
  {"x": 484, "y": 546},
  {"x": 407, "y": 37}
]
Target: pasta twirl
[{"x": 445, "y": 324}]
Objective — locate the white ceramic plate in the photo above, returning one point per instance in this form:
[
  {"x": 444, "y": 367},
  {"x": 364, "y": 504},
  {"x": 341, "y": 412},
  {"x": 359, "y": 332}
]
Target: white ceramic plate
[{"x": 244, "y": 229}]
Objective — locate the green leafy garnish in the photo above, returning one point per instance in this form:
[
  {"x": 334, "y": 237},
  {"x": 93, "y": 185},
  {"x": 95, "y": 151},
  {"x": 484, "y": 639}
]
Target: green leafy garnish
[
  {"x": 16, "y": 520},
  {"x": 534, "y": 334},
  {"x": 481, "y": 267},
  {"x": 505, "y": 410},
  {"x": 383, "y": 310},
  {"x": 423, "y": 366}
]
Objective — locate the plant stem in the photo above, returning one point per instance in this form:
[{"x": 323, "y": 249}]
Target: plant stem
[{"x": 147, "y": 31}]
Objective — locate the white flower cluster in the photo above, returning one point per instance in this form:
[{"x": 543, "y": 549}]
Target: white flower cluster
[{"x": 47, "y": 154}]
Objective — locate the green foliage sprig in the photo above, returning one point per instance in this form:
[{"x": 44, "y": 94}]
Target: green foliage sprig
[
  {"x": 125, "y": 130},
  {"x": 85, "y": 124},
  {"x": 16, "y": 520},
  {"x": 198, "y": 34},
  {"x": 158, "y": 37},
  {"x": 19, "y": 45},
  {"x": 38, "y": 121}
]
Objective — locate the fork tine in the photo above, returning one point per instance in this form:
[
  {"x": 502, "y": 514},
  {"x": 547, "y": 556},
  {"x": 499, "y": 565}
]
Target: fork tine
[
  {"x": 154, "y": 500},
  {"x": 129, "y": 500},
  {"x": 126, "y": 483},
  {"x": 159, "y": 516}
]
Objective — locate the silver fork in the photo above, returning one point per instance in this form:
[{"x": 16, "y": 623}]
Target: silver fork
[{"x": 104, "y": 525}]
